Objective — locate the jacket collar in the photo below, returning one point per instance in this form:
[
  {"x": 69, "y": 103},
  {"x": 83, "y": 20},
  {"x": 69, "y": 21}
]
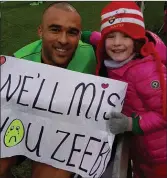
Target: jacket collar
[{"x": 120, "y": 71}]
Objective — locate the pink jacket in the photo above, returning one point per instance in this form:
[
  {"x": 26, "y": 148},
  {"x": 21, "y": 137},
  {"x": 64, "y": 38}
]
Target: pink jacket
[{"x": 144, "y": 97}]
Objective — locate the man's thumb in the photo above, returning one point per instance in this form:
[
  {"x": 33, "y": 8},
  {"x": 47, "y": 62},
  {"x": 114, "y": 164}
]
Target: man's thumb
[{"x": 2, "y": 60}]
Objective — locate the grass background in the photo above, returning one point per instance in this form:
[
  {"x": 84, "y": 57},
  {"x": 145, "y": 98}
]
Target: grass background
[{"x": 19, "y": 22}]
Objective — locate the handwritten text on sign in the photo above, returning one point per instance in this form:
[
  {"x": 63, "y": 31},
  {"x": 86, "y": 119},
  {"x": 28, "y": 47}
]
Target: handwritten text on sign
[{"x": 57, "y": 116}]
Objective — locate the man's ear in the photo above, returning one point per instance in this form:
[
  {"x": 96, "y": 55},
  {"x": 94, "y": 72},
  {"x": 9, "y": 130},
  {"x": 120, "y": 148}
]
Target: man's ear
[{"x": 40, "y": 31}]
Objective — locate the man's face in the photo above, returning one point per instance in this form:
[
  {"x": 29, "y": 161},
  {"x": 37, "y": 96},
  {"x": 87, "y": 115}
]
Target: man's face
[{"x": 60, "y": 33}]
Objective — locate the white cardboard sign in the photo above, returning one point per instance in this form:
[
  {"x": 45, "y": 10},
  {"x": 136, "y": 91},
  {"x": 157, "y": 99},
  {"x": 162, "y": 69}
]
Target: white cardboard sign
[{"x": 56, "y": 116}]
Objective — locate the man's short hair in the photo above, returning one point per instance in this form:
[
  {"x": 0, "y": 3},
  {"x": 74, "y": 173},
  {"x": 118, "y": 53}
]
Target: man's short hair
[{"x": 61, "y": 5}]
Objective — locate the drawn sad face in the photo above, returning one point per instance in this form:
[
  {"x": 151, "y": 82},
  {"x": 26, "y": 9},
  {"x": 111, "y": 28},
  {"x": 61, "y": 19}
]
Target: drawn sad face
[{"x": 14, "y": 133}]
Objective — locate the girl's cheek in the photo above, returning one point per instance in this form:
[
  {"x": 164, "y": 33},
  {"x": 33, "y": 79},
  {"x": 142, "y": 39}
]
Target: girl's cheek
[{"x": 108, "y": 44}]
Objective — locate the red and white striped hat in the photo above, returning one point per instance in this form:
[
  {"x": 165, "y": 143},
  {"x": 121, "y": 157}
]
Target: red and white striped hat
[{"x": 123, "y": 16}]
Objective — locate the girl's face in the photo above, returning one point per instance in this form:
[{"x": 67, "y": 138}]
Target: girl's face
[{"x": 119, "y": 46}]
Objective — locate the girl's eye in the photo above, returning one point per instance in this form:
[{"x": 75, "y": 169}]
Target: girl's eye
[
  {"x": 110, "y": 37},
  {"x": 126, "y": 36}
]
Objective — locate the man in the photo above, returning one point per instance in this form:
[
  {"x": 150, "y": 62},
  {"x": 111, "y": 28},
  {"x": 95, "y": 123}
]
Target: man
[{"x": 60, "y": 45}]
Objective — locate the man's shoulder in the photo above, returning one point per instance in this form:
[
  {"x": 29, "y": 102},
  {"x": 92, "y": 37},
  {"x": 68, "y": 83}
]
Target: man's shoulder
[
  {"x": 84, "y": 45},
  {"x": 85, "y": 49},
  {"x": 84, "y": 59},
  {"x": 31, "y": 49}
]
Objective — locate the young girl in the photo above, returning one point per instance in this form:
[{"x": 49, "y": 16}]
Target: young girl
[{"x": 128, "y": 53}]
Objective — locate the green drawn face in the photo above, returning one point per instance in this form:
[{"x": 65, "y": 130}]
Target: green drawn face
[{"x": 14, "y": 133}]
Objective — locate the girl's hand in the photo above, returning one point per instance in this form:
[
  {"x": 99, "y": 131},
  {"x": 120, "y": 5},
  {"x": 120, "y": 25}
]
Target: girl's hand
[{"x": 119, "y": 123}]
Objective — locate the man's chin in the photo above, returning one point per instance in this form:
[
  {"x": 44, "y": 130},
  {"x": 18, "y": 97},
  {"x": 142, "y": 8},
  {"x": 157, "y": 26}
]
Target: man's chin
[{"x": 61, "y": 63}]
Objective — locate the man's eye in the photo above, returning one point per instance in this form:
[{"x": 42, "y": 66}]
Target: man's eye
[
  {"x": 73, "y": 33},
  {"x": 55, "y": 30}
]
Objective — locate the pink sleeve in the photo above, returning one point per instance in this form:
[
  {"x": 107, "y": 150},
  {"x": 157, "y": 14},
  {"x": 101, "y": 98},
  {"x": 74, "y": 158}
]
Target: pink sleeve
[
  {"x": 152, "y": 121},
  {"x": 149, "y": 90},
  {"x": 160, "y": 47},
  {"x": 95, "y": 38}
]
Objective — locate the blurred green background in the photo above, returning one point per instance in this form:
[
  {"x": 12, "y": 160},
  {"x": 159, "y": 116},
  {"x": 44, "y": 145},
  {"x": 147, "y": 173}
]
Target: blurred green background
[{"x": 19, "y": 21}]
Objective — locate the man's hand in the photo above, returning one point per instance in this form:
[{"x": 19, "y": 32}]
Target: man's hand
[
  {"x": 2, "y": 60},
  {"x": 119, "y": 123}
]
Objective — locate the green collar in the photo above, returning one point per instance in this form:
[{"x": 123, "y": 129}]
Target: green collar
[{"x": 83, "y": 60}]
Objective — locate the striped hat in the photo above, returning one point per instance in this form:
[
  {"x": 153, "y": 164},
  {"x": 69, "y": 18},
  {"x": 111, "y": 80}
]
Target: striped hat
[{"x": 125, "y": 17}]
